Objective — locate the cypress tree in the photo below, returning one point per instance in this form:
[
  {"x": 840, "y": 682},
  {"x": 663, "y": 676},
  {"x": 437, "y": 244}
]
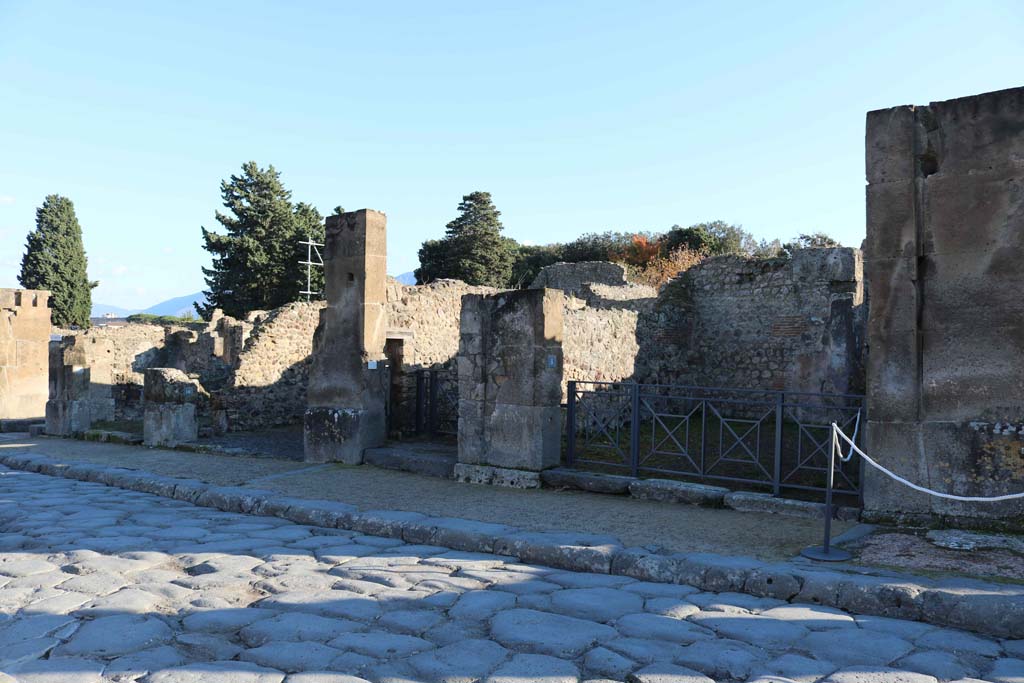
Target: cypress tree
[
  {"x": 473, "y": 249},
  {"x": 256, "y": 262},
  {"x": 55, "y": 260}
]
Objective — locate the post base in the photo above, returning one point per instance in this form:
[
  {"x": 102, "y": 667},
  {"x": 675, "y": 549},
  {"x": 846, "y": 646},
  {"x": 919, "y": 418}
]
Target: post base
[{"x": 833, "y": 555}]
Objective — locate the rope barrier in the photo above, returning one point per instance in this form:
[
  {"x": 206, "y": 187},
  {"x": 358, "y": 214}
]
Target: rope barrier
[{"x": 837, "y": 433}]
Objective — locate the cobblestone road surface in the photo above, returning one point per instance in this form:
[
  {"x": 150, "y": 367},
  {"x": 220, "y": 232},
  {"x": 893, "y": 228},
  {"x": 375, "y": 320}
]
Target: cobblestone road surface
[{"x": 102, "y": 584}]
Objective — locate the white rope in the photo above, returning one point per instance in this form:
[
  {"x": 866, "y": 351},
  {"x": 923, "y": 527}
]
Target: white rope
[{"x": 837, "y": 432}]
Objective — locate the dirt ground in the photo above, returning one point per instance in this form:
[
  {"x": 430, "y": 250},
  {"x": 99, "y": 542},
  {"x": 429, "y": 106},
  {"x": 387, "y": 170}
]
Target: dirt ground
[
  {"x": 681, "y": 528},
  {"x": 912, "y": 552}
]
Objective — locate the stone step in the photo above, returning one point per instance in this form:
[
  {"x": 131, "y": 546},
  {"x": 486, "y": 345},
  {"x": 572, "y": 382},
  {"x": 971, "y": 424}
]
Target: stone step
[{"x": 408, "y": 459}]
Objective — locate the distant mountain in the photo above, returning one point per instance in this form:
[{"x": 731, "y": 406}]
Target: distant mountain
[
  {"x": 100, "y": 310},
  {"x": 407, "y": 278},
  {"x": 181, "y": 305}
]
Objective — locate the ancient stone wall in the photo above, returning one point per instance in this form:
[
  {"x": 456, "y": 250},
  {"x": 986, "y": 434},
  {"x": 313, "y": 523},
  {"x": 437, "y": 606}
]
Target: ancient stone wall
[
  {"x": 945, "y": 243},
  {"x": 24, "y": 343},
  {"x": 268, "y": 384},
  {"x": 571, "y": 278},
  {"x": 786, "y": 323}
]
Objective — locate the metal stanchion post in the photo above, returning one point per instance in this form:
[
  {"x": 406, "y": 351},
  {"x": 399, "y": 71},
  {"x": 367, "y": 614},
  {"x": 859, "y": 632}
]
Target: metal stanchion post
[{"x": 825, "y": 552}]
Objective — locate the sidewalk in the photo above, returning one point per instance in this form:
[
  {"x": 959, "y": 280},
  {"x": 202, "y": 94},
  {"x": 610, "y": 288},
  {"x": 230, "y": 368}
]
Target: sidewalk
[
  {"x": 672, "y": 527},
  {"x": 714, "y": 550}
]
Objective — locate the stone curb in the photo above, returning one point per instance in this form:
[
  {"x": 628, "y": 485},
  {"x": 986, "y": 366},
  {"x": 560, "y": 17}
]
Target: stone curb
[{"x": 991, "y": 609}]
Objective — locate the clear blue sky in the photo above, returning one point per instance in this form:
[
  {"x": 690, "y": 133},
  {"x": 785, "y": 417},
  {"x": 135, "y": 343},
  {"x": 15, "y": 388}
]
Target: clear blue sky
[{"x": 576, "y": 116}]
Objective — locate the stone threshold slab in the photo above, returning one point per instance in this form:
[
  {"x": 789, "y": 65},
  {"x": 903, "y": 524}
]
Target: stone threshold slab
[{"x": 988, "y": 608}]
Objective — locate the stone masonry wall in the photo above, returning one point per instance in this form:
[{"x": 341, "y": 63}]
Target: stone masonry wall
[
  {"x": 24, "y": 352},
  {"x": 268, "y": 385}
]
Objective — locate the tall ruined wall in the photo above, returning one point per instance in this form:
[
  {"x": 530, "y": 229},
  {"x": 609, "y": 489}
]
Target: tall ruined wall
[
  {"x": 24, "y": 349},
  {"x": 785, "y": 323},
  {"x": 945, "y": 243},
  {"x": 430, "y": 313},
  {"x": 600, "y": 344},
  {"x": 268, "y": 384}
]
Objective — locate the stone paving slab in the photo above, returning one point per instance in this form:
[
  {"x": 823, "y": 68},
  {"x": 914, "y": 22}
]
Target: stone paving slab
[
  {"x": 426, "y": 613},
  {"x": 993, "y": 609}
]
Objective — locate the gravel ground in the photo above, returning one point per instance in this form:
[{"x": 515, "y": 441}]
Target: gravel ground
[
  {"x": 681, "y": 528},
  {"x": 99, "y": 584}
]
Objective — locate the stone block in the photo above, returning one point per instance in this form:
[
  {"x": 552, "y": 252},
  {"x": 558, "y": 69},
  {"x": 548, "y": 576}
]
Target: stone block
[
  {"x": 973, "y": 373},
  {"x": 893, "y": 304},
  {"x": 337, "y": 434},
  {"x": 670, "y": 491},
  {"x": 891, "y": 211},
  {"x": 972, "y": 289},
  {"x": 496, "y": 476},
  {"x": 980, "y": 134},
  {"x": 892, "y": 376},
  {"x": 595, "y": 482},
  {"x": 889, "y": 144},
  {"x": 169, "y": 385},
  {"x": 897, "y": 446},
  {"x": 169, "y": 424},
  {"x": 523, "y": 437},
  {"x": 974, "y": 214},
  {"x": 970, "y": 460},
  {"x": 66, "y": 417}
]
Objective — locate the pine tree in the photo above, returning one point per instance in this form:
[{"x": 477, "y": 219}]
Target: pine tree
[
  {"x": 256, "y": 263},
  {"x": 55, "y": 260},
  {"x": 473, "y": 249}
]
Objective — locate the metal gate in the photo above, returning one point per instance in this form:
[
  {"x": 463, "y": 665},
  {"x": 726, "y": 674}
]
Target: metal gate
[
  {"x": 773, "y": 439},
  {"x": 437, "y": 402}
]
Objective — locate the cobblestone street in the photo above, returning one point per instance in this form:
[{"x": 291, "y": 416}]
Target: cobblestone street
[{"x": 103, "y": 584}]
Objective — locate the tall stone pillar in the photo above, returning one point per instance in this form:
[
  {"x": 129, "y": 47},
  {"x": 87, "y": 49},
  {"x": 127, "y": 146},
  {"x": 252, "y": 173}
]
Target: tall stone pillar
[
  {"x": 510, "y": 386},
  {"x": 348, "y": 379},
  {"x": 24, "y": 353},
  {"x": 945, "y": 243}
]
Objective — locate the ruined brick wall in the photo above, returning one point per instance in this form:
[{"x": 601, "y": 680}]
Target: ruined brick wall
[
  {"x": 268, "y": 385},
  {"x": 24, "y": 343},
  {"x": 784, "y": 323},
  {"x": 945, "y": 243}
]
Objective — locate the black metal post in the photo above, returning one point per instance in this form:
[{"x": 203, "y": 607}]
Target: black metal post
[
  {"x": 570, "y": 424},
  {"x": 825, "y": 552},
  {"x": 432, "y": 404},
  {"x": 421, "y": 398},
  {"x": 777, "y": 473},
  {"x": 634, "y": 431}
]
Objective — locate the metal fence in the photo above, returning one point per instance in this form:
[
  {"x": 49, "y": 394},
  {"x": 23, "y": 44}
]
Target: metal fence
[
  {"x": 437, "y": 402},
  {"x": 773, "y": 439}
]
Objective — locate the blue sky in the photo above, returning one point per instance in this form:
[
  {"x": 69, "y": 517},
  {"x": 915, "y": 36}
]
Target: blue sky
[{"x": 576, "y": 116}]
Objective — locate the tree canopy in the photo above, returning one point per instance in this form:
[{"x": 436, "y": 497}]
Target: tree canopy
[
  {"x": 473, "y": 249},
  {"x": 256, "y": 262},
  {"x": 55, "y": 260}
]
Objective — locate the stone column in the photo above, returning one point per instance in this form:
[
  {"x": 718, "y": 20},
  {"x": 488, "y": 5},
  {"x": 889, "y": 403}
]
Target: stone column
[
  {"x": 348, "y": 378},
  {"x": 510, "y": 378},
  {"x": 945, "y": 379}
]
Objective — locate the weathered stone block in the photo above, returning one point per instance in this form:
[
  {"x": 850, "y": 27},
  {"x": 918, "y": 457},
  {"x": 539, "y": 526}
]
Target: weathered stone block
[
  {"x": 496, "y": 476},
  {"x": 671, "y": 491},
  {"x": 169, "y": 424},
  {"x": 558, "y": 477},
  {"x": 889, "y": 145},
  {"x": 334, "y": 435},
  {"x": 899, "y": 444},
  {"x": 169, "y": 385},
  {"x": 890, "y": 207}
]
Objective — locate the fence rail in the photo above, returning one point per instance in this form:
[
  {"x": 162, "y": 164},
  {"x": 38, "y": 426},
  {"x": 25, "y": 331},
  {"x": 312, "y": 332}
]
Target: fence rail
[{"x": 773, "y": 439}]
